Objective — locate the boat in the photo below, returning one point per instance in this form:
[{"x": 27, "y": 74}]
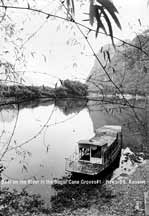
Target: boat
[{"x": 98, "y": 153}]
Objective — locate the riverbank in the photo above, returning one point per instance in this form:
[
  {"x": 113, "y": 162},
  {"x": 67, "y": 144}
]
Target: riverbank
[
  {"x": 120, "y": 196},
  {"x": 20, "y": 93}
]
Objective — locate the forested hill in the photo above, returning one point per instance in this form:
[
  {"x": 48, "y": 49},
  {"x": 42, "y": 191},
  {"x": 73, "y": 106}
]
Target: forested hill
[{"x": 127, "y": 66}]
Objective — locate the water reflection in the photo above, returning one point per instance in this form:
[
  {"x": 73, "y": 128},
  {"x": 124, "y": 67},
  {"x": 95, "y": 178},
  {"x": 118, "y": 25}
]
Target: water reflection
[
  {"x": 46, "y": 134},
  {"x": 43, "y": 137},
  {"x": 135, "y": 122},
  {"x": 69, "y": 106}
]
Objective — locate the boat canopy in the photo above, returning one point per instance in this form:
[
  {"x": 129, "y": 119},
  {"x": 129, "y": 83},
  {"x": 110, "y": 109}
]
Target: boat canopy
[
  {"x": 104, "y": 136},
  {"x": 111, "y": 130}
]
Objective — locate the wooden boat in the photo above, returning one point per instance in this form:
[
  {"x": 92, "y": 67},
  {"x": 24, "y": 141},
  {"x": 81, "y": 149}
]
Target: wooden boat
[{"x": 96, "y": 154}]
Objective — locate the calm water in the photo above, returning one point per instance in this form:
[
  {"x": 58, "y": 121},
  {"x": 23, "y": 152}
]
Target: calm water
[
  {"x": 35, "y": 140},
  {"x": 43, "y": 137}
]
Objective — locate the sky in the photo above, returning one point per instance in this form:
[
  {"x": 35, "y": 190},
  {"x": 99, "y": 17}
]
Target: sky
[{"x": 58, "y": 51}]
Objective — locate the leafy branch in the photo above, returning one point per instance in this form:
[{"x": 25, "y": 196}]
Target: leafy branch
[
  {"x": 98, "y": 11},
  {"x": 106, "y": 72},
  {"x": 48, "y": 15}
]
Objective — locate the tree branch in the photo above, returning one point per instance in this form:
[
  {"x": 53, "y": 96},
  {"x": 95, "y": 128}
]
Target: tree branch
[{"x": 48, "y": 15}]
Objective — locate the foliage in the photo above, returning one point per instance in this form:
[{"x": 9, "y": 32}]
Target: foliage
[
  {"x": 25, "y": 92},
  {"x": 128, "y": 68},
  {"x": 100, "y": 14},
  {"x": 75, "y": 87},
  {"x": 75, "y": 196},
  {"x": 99, "y": 11},
  {"x": 71, "y": 88},
  {"x": 67, "y": 89},
  {"x": 20, "y": 203}
]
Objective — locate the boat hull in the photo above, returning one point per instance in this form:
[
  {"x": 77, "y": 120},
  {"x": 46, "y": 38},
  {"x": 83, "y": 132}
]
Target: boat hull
[{"x": 86, "y": 168}]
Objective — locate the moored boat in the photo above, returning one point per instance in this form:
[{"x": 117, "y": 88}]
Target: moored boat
[{"x": 98, "y": 153}]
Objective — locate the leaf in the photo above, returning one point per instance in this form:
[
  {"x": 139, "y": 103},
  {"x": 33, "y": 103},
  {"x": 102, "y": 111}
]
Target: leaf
[
  {"x": 22, "y": 80},
  {"x": 2, "y": 2},
  {"x": 91, "y": 12},
  {"x": 47, "y": 149},
  {"x": 73, "y": 7},
  {"x": 33, "y": 54},
  {"x": 28, "y": 6},
  {"x": 70, "y": 6},
  {"x": 104, "y": 55},
  {"x": 111, "y": 9},
  {"x": 108, "y": 5},
  {"x": 68, "y": 3},
  {"x": 25, "y": 168},
  {"x": 44, "y": 57},
  {"x": 48, "y": 16},
  {"x": 99, "y": 21},
  {"x": 114, "y": 71},
  {"x": 101, "y": 49},
  {"x": 86, "y": 13},
  {"x": 108, "y": 55},
  {"x": 86, "y": 20},
  {"x": 100, "y": 25},
  {"x": 109, "y": 26},
  {"x": 139, "y": 22}
]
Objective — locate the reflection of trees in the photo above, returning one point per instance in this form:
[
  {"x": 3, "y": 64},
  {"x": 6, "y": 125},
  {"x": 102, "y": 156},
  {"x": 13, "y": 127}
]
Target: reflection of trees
[
  {"x": 27, "y": 104},
  {"x": 135, "y": 122},
  {"x": 69, "y": 106},
  {"x": 7, "y": 115}
]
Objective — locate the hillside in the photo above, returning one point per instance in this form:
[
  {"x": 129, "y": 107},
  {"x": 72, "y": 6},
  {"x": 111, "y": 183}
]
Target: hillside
[{"x": 127, "y": 66}]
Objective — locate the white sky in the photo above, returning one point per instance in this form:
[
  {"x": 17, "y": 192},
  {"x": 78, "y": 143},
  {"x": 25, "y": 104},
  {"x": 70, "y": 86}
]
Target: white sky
[{"x": 53, "y": 55}]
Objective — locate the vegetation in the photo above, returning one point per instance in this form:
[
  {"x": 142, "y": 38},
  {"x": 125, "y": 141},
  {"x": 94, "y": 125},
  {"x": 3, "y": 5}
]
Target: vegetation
[
  {"x": 21, "y": 203},
  {"x": 73, "y": 88},
  {"x": 128, "y": 68},
  {"x": 126, "y": 71},
  {"x": 67, "y": 89},
  {"x": 74, "y": 196}
]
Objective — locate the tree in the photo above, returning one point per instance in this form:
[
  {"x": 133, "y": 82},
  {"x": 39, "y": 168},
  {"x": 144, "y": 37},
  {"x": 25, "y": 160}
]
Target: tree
[
  {"x": 100, "y": 14},
  {"x": 13, "y": 33}
]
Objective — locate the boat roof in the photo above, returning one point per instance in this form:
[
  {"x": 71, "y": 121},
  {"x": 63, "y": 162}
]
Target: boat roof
[{"x": 103, "y": 136}]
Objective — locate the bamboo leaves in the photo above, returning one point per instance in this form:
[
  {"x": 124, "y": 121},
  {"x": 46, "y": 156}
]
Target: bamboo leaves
[
  {"x": 99, "y": 12},
  {"x": 92, "y": 12},
  {"x": 109, "y": 26},
  {"x": 109, "y": 6},
  {"x": 99, "y": 21},
  {"x": 70, "y": 7}
]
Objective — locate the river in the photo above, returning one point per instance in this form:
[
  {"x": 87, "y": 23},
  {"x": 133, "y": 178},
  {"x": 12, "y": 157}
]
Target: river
[{"x": 36, "y": 138}]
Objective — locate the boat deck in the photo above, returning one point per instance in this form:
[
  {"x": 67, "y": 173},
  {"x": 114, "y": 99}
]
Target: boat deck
[{"x": 83, "y": 167}]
